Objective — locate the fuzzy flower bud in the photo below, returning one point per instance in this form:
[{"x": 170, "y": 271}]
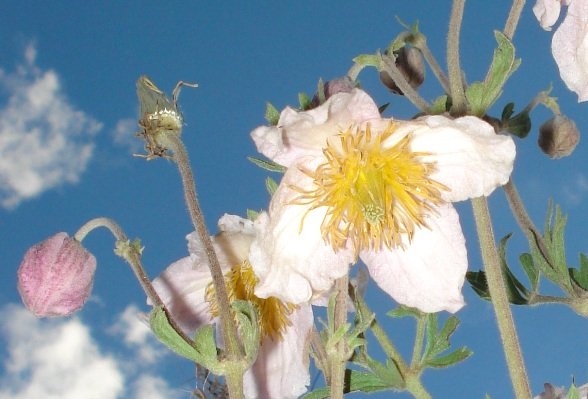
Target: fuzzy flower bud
[
  {"x": 410, "y": 63},
  {"x": 55, "y": 277},
  {"x": 332, "y": 87},
  {"x": 558, "y": 137}
]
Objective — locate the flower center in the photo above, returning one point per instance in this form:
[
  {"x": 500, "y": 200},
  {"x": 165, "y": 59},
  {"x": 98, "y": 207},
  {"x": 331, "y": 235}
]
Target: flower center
[
  {"x": 273, "y": 314},
  {"x": 375, "y": 194}
]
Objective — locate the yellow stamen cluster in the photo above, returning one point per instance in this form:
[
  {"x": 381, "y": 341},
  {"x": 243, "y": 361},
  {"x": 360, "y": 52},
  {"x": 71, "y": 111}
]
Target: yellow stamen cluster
[
  {"x": 273, "y": 314},
  {"x": 375, "y": 193}
]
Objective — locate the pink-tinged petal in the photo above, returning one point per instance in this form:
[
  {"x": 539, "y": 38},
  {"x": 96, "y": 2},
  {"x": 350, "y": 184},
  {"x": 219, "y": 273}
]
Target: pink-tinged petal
[
  {"x": 305, "y": 133},
  {"x": 471, "y": 159},
  {"x": 429, "y": 273},
  {"x": 291, "y": 259},
  {"x": 281, "y": 369},
  {"x": 55, "y": 277},
  {"x": 570, "y": 49},
  {"x": 547, "y": 12},
  {"x": 182, "y": 288},
  {"x": 183, "y": 284}
]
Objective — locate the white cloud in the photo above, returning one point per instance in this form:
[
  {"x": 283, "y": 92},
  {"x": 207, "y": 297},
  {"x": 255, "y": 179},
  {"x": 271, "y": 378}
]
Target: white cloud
[
  {"x": 123, "y": 135},
  {"x": 59, "y": 359},
  {"x": 44, "y": 141},
  {"x": 576, "y": 190},
  {"x": 132, "y": 325}
]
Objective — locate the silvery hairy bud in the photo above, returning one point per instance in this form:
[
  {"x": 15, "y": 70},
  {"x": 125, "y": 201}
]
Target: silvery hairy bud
[
  {"x": 558, "y": 137},
  {"x": 409, "y": 62}
]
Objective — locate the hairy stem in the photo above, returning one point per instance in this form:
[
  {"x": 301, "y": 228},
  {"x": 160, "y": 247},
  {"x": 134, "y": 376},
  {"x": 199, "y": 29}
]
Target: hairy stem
[
  {"x": 338, "y": 359},
  {"x": 513, "y": 18},
  {"x": 499, "y": 297},
  {"x": 459, "y": 103}
]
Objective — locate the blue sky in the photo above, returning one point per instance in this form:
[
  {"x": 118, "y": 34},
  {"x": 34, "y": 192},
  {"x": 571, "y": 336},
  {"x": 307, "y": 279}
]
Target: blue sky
[{"x": 68, "y": 112}]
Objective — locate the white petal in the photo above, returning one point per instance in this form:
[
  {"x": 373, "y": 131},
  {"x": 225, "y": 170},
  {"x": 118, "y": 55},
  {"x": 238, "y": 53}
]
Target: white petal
[
  {"x": 292, "y": 263},
  {"x": 182, "y": 287},
  {"x": 472, "y": 160},
  {"x": 281, "y": 369},
  {"x": 570, "y": 49},
  {"x": 429, "y": 273},
  {"x": 547, "y": 12},
  {"x": 304, "y": 133}
]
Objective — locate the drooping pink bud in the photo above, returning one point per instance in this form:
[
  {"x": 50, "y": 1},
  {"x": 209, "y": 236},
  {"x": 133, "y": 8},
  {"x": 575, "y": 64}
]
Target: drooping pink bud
[{"x": 55, "y": 277}]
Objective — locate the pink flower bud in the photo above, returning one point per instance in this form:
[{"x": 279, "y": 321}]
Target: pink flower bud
[
  {"x": 558, "y": 137},
  {"x": 55, "y": 277}
]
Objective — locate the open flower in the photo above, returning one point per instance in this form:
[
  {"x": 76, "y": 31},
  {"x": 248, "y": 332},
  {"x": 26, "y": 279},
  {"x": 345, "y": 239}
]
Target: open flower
[
  {"x": 281, "y": 368},
  {"x": 55, "y": 277},
  {"x": 570, "y": 41},
  {"x": 361, "y": 186}
]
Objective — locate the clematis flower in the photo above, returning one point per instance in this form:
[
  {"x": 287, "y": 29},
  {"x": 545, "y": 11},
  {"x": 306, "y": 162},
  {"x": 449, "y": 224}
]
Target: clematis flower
[
  {"x": 379, "y": 189},
  {"x": 570, "y": 41},
  {"x": 55, "y": 277},
  {"x": 281, "y": 368}
]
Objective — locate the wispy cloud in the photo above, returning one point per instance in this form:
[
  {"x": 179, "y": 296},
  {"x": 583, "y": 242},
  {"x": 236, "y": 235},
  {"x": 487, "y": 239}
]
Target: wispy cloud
[
  {"x": 123, "y": 135},
  {"x": 60, "y": 359},
  {"x": 44, "y": 141},
  {"x": 576, "y": 190}
]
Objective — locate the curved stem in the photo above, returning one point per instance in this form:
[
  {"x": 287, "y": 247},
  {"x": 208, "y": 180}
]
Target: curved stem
[
  {"x": 229, "y": 330},
  {"x": 458, "y": 99},
  {"x": 499, "y": 296},
  {"x": 133, "y": 258},
  {"x": 513, "y": 18}
]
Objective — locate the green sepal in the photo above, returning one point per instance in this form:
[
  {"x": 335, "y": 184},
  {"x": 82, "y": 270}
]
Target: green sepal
[
  {"x": 205, "y": 352},
  {"x": 519, "y": 125},
  {"x": 320, "y": 92},
  {"x": 252, "y": 215},
  {"x": 270, "y": 185},
  {"x": 481, "y": 95},
  {"x": 272, "y": 115},
  {"x": 573, "y": 392},
  {"x": 304, "y": 101},
  {"x": 268, "y": 165},
  {"x": 440, "y": 105},
  {"x": 248, "y": 328}
]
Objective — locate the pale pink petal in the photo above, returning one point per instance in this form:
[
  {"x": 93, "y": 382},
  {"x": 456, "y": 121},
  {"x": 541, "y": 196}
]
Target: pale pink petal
[
  {"x": 547, "y": 12},
  {"x": 182, "y": 287},
  {"x": 570, "y": 49},
  {"x": 472, "y": 160},
  {"x": 281, "y": 368},
  {"x": 291, "y": 260},
  {"x": 304, "y": 133},
  {"x": 429, "y": 273}
]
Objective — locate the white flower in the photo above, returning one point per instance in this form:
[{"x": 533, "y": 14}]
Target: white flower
[
  {"x": 281, "y": 369},
  {"x": 360, "y": 185},
  {"x": 570, "y": 41},
  {"x": 552, "y": 392}
]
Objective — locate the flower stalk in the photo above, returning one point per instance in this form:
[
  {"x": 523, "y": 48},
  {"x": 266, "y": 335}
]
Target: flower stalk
[
  {"x": 231, "y": 341},
  {"x": 459, "y": 103},
  {"x": 337, "y": 359},
  {"x": 499, "y": 297}
]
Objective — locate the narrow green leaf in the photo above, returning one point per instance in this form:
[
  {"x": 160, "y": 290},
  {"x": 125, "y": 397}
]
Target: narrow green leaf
[
  {"x": 304, "y": 101},
  {"x": 439, "y": 106},
  {"x": 270, "y": 185},
  {"x": 580, "y": 275},
  {"x": 530, "y": 269},
  {"x": 450, "y": 359},
  {"x": 481, "y": 95},
  {"x": 361, "y": 381},
  {"x": 404, "y": 311},
  {"x": 268, "y": 165}
]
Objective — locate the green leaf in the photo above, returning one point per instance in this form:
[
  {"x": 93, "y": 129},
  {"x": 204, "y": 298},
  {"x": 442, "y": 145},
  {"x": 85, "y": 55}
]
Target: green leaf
[
  {"x": 519, "y": 125},
  {"x": 246, "y": 315},
  {"x": 270, "y": 185},
  {"x": 481, "y": 95},
  {"x": 321, "y": 393},
  {"x": 530, "y": 269},
  {"x": 272, "y": 115},
  {"x": 507, "y": 111},
  {"x": 440, "y": 105},
  {"x": 580, "y": 275},
  {"x": 404, "y": 311},
  {"x": 450, "y": 359},
  {"x": 361, "y": 381},
  {"x": 320, "y": 92},
  {"x": 268, "y": 165},
  {"x": 205, "y": 354}
]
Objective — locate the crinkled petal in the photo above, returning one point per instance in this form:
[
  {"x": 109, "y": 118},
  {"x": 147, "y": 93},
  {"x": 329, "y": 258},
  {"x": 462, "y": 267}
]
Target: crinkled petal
[
  {"x": 294, "y": 263},
  {"x": 304, "y": 133},
  {"x": 471, "y": 159},
  {"x": 429, "y": 273},
  {"x": 570, "y": 49},
  {"x": 547, "y": 12},
  {"x": 182, "y": 287},
  {"x": 281, "y": 369}
]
